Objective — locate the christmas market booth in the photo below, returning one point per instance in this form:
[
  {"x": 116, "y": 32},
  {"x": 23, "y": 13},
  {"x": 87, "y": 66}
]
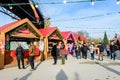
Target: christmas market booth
[
  {"x": 83, "y": 39},
  {"x": 77, "y": 38},
  {"x": 50, "y": 35},
  {"x": 18, "y": 32},
  {"x": 68, "y": 37}
]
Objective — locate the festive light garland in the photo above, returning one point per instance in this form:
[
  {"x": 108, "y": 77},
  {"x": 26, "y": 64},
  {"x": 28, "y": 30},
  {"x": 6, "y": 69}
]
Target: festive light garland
[
  {"x": 100, "y": 15},
  {"x": 65, "y": 2}
]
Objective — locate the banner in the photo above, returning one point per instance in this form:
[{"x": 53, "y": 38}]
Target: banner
[
  {"x": 14, "y": 45},
  {"x": 41, "y": 45}
]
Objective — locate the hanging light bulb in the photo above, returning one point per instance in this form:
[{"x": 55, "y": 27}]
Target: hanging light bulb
[
  {"x": 118, "y": 2},
  {"x": 10, "y": 7},
  {"x": 36, "y": 5},
  {"x": 92, "y": 2},
  {"x": 65, "y": 1}
]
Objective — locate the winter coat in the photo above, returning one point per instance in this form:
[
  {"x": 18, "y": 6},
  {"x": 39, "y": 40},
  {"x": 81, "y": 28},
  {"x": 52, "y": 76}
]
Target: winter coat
[
  {"x": 32, "y": 50},
  {"x": 54, "y": 51},
  {"x": 101, "y": 48},
  {"x": 20, "y": 53},
  {"x": 113, "y": 48}
]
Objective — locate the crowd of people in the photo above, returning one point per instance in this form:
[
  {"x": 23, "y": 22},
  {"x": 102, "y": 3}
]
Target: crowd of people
[
  {"x": 82, "y": 50},
  {"x": 76, "y": 50}
]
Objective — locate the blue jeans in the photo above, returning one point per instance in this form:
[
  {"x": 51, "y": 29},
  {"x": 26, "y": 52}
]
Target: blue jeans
[
  {"x": 113, "y": 55},
  {"x": 92, "y": 56}
]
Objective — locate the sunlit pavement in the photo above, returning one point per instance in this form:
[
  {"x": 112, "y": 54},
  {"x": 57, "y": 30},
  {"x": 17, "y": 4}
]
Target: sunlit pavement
[{"x": 74, "y": 69}]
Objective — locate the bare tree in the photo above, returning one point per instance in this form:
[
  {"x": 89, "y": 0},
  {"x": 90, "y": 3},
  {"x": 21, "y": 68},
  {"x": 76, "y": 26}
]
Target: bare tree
[
  {"x": 83, "y": 33},
  {"x": 47, "y": 22}
]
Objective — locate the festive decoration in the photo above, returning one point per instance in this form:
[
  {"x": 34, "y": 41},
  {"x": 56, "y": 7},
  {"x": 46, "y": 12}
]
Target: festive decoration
[
  {"x": 105, "y": 40},
  {"x": 35, "y": 12}
]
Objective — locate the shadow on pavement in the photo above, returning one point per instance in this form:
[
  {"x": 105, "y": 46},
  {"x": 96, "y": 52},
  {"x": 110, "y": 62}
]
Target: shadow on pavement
[
  {"x": 35, "y": 66},
  {"x": 61, "y": 75},
  {"x": 118, "y": 54},
  {"x": 110, "y": 69},
  {"x": 24, "y": 77},
  {"x": 76, "y": 76},
  {"x": 38, "y": 64}
]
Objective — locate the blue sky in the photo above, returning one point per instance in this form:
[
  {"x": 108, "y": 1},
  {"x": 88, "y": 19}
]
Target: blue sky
[
  {"x": 95, "y": 19},
  {"x": 95, "y": 26}
]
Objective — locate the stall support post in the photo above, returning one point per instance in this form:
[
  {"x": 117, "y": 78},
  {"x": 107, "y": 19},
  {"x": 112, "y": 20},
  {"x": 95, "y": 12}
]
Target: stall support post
[
  {"x": 2, "y": 50},
  {"x": 46, "y": 47}
]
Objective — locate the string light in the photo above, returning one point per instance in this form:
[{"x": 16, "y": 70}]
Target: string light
[
  {"x": 87, "y": 17},
  {"x": 118, "y": 2},
  {"x": 92, "y": 2},
  {"x": 65, "y": 1},
  {"x": 36, "y": 5},
  {"x": 10, "y": 7}
]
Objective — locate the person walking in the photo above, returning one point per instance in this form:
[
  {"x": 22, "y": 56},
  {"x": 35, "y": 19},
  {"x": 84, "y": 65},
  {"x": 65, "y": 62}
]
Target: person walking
[
  {"x": 54, "y": 53},
  {"x": 113, "y": 48},
  {"x": 63, "y": 53},
  {"x": 76, "y": 51},
  {"x": 20, "y": 56},
  {"x": 32, "y": 50},
  {"x": 85, "y": 50},
  {"x": 108, "y": 50},
  {"x": 80, "y": 51},
  {"x": 92, "y": 51},
  {"x": 101, "y": 52}
]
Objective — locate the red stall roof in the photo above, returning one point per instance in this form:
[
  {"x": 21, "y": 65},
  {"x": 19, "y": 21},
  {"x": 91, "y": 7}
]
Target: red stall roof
[
  {"x": 76, "y": 36},
  {"x": 118, "y": 40},
  {"x": 11, "y": 26},
  {"x": 83, "y": 38},
  {"x": 7, "y": 25},
  {"x": 66, "y": 35},
  {"x": 46, "y": 32}
]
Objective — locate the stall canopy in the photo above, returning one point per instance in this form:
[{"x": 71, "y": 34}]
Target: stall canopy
[
  {"x": 68, "y": 35},
  {"x": 118, "y": 40},
  {"x": 50, "y": 35},
  {"x": 21, "y": 28},
  {"x": 76, "y": 36},
  {"x": 51, "y": 32},
  {"x": 84, "y": 39}
]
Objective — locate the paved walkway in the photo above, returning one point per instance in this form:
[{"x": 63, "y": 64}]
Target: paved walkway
[{"x": 74, "y": 69}]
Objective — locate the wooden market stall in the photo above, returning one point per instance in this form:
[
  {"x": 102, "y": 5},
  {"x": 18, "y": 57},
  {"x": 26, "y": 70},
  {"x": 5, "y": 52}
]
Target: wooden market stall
[
  {"x": 21, "y": 31},
  {"x": 50, "y": 35},
  {"x": 77, "y": 37},
  {"x": 83, "y": 39},
  {"x": 69, "y": 39},
  {"x": 68, "y": 36}
]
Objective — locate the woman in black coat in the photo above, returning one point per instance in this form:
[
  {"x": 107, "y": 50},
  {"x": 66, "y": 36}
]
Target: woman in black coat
[
  {"x": 54, "y": 53},
  {"x": 20, "y": 56}
]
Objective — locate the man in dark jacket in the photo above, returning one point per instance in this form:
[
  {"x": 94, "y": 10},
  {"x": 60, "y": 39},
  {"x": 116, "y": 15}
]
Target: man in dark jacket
[
  {"x": 20, "y": 56},
  {"x": 54, "y": 53},
  {"x": 101, "y": 51},
  {"x": 113, "y": 48},
  {"x": 85, "y": 50}
]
